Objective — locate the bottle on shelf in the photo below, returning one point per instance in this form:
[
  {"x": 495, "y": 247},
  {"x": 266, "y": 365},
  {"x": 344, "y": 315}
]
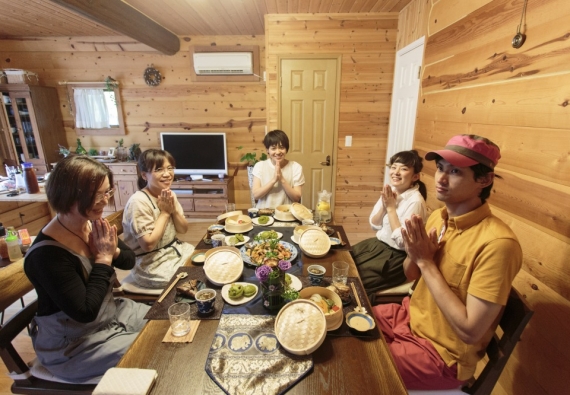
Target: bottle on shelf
[
  {"x": 30, "y": 179},
  {"x": 80, "y": 150},
  {"x": 13, "y": 243}
]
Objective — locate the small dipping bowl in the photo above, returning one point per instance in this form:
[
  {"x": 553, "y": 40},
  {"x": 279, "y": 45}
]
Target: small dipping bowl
[
  {"x": 205, "y": 300},
  {"x": 198, "y": 259},
  {"x": 359, "y": 321},
  {"x": 316, "y": 274}
]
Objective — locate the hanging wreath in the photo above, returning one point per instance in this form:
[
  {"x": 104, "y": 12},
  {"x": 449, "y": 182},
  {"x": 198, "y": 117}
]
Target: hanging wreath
[{"x": 152, "y": 76}]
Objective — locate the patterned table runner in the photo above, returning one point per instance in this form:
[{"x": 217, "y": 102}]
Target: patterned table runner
[{"x": 246, "y": 358}]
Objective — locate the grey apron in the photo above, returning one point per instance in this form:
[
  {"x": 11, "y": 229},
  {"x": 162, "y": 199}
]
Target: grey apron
[{"x": 77, "y": 351}]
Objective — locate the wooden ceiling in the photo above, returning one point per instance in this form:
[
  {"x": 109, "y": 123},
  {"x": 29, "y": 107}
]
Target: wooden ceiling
[{"x": 44, "y": 18}]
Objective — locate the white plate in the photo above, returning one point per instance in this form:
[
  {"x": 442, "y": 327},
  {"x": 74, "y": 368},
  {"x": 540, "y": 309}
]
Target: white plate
[
  {"x": 279, "y": 234},
  {"x": 269, "y": 222},
  {"x": 294, "y": 239},
  {"x": 241, "y": 231},
  {"x": 245, "y": 240},
  {"x": 288, "y": 246},
  {"x": 295, "y": 282},
  {"x": 242, "y": 300}
]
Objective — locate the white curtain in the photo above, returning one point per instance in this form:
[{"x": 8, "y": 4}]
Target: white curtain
[{"x": 91, "y": 108}]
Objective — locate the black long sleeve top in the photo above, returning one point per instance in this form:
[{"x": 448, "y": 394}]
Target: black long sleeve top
[{"x": 58, "y": 277}]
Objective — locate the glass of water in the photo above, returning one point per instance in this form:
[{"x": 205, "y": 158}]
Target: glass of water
[
  {"x": 179, "y": 315},
  {"x": 340, "y": 272}
]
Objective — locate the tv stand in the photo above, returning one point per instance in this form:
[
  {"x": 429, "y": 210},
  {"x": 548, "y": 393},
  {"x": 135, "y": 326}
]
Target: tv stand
[{"x": 205, "y": 198}]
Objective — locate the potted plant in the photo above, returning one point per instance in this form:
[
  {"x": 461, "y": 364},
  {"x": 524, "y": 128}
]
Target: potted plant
[{"x": 251, "y": 159}]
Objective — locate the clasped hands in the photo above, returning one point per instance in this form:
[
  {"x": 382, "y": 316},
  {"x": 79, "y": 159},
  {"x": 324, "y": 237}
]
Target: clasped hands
[
  {"x": 103, "y": 241},
  {"x": 420, "y": 245}
]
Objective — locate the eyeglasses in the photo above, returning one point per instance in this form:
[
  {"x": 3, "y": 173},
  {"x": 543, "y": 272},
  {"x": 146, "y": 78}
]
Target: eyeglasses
[
  {"x": 107, "y": 194},
  {"x": 160, "y": 170}
]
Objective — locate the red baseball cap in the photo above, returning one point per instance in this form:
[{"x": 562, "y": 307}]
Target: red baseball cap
[{"x": 467, "y": 150}]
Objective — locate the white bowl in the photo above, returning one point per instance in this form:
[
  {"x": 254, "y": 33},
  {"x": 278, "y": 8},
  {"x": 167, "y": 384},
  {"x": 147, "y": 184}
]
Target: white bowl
[{"x": 360, "y": 321}]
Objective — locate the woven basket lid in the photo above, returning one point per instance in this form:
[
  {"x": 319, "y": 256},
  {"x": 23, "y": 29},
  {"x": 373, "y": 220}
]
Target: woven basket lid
[
  {"x": 222, "y": 217},
  {"x": 314, "y": 243},
  {"x": 300, "y": 327},
  {"x": 301, "y": 212},
  {"x": 223, "y": 265}
]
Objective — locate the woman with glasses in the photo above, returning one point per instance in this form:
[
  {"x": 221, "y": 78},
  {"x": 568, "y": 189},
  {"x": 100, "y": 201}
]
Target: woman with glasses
[
  {"x": 152, "y": 218},
  {"x": 80, "y": 330}
]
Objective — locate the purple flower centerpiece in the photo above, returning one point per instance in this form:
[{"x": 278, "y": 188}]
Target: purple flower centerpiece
[{"x": 271, "y": 276}]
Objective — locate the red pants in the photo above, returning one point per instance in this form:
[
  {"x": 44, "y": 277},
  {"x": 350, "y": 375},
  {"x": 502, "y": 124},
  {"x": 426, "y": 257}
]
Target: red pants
[{"x": 419, "y": 363}]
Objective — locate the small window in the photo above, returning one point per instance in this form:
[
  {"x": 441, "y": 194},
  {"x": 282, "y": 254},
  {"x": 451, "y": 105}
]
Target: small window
[{"x": 96, "y": 108}]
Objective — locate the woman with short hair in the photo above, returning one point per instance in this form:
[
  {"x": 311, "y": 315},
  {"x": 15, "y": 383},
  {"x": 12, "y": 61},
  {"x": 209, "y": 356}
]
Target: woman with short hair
[
  {"x": 277, "y": 181},
  {"x": 80, "y": 330}
]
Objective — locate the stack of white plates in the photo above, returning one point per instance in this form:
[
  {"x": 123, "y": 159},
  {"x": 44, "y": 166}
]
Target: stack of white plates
[{"x": 223, "y": 265}]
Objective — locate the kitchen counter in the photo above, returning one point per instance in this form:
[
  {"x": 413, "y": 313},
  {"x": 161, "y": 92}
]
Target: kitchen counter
[{"x": 25, "y": 197}]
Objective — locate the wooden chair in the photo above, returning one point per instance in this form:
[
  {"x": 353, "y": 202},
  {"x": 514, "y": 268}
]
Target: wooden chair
[
  {"x": 515, "y": 317},
  {"x": 24, "y": 381}
]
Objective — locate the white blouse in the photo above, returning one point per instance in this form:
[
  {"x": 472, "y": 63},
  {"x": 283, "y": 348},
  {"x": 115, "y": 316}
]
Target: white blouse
[{"x": 408, "y": 203}]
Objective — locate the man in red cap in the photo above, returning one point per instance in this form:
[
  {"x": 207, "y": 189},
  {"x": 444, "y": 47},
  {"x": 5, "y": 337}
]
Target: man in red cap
[{"x": 465, "y": 260}]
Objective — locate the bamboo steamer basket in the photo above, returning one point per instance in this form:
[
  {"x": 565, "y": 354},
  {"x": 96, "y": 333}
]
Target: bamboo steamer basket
[
  {"x": 301, "y": 327},
  {"x": 314, "y": 243},
  {"x": 223, "y": 265}
]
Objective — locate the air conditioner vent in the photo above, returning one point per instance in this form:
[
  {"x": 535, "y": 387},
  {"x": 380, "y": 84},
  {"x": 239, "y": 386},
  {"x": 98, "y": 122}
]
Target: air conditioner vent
[{"x": 223, "y": 63}]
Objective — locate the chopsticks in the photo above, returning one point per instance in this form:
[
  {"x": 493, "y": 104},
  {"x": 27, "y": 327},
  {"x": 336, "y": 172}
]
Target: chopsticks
[
  {"x": 340, "y": 238},
  {"x": 356, "y": 296},
  {"x": 178, "y": 277}
]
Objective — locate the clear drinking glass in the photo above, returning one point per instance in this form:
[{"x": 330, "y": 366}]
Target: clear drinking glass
[
  {"x": 179, "y": 315},
  {"x": 340, "y": 272}
]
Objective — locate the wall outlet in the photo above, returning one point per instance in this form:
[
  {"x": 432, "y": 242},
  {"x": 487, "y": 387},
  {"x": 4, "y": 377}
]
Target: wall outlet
[{"x": 348, "y": 141}]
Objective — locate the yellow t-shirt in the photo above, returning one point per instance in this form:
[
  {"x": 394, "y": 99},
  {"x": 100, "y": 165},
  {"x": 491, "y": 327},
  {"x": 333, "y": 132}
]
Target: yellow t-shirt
[{"x": 478, "y": 255}]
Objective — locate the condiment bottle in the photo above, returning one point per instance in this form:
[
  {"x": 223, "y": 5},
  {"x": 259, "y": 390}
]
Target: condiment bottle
[
  {"x": 30, "y": 178},
  {"x": 3, "y": 245},
  {"x": 20, "y": 182},
  {"x": 14, "y": 251}
]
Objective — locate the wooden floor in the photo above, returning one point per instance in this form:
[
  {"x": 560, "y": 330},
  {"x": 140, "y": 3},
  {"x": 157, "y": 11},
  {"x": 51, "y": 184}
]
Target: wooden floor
[{"x": 23, "y": 342}]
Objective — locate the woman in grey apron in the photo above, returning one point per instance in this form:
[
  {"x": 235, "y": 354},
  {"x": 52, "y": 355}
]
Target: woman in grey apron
[
  {"x": 152, "y": 218},
  {"x": 80, "y": 331}
]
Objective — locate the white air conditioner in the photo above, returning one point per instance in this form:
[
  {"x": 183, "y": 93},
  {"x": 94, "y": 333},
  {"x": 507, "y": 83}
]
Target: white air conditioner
[{"x": 223, "y": 63}]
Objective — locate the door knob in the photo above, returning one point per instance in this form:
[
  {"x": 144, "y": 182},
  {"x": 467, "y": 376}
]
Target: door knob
[{"x": 328, "y": 161}]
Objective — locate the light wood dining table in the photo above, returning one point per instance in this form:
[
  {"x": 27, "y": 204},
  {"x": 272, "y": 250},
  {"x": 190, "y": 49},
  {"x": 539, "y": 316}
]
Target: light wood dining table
[{"x": 342, "y": 365}]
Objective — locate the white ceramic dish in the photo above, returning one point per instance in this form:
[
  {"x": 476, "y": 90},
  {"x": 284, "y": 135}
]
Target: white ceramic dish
[
  {"x": 296, "y": 284},
  {"x": 359, "y": 321},
  {"x": 242, "y": 300},
  {"x": 335, "y": 242},
  {"x": 240, "y": 243},
  {"x": 294, "y": 239},
  {"x": 268, "y": 223},
  {"x": 288, "y": 246},
  {"x": 279, "y": 234}
]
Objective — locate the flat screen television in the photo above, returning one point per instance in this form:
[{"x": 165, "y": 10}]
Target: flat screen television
[{"x": 197, "y": 154}]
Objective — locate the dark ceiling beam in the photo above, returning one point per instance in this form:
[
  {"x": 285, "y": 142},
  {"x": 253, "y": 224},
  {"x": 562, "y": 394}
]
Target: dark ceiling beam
[{"x": 123, "y": 18}]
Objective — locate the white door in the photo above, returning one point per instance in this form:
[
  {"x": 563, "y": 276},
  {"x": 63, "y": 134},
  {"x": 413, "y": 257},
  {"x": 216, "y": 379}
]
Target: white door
[
  {"x": 405, "y": 95},
  {"x": 307, "y": 113}
]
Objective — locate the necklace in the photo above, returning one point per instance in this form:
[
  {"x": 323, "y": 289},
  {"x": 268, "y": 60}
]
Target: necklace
[{"x": 70, "y": 231}]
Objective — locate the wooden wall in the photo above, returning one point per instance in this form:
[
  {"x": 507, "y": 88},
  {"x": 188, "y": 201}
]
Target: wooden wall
[
  {"x": 475, "y": 82},
  {"x": 178, "y": 104},
  {"x": 367, "y": 43}
]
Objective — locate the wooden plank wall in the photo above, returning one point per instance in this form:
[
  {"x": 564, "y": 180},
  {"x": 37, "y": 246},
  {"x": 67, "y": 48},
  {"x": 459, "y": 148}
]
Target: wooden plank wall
[
  {"x": 367, "y": 43},
  {"x": 475, "y": 82},
  {"x": 178, "y": 104}
]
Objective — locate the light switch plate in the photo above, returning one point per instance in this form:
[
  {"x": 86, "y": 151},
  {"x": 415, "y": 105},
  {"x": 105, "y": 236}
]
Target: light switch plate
[{"x": 348, "y": 141}]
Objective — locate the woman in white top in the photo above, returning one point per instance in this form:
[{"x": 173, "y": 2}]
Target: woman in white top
[
  {"x": 153, "y": 216},
  {"x": 380, "y": 260},
  {"x": 277, "y": 181}
]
